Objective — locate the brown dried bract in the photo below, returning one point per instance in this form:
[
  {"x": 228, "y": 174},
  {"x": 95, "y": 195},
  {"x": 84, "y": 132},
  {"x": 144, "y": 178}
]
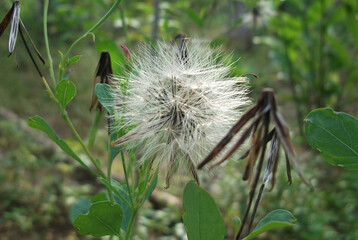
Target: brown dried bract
[{"x": 258, "y": 119}]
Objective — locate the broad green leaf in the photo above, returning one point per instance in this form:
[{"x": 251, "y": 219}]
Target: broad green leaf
[
  {"x": 99, "y": 197},
  {"x": 65, "y": 92},
  {"x": 39, "y": 123},
  {"x": 103, "y": 218},
  {"x": 121, "y": 196},
  {"x": 127, "y": 211},
  {"x": 72, "y": 60},
  {"x": 275, "y": 219},
  {"x": 194, "y": 16},
  {"x": 335, "y": 135},
  {"x": 202, "y": 218},
  {"x": 106, "y": 96},
  {"x": 81, "y": 206}
]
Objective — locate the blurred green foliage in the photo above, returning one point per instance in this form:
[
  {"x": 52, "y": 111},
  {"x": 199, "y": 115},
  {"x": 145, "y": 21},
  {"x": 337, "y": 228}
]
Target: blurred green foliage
[{"x": 306, "y": 50}]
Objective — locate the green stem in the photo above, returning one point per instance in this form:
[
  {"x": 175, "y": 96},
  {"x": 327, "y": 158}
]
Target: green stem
[
  {"x": 52, "y": 72},
  {"x": 124, "y": 24},
  {"x": 148, "y": 186},
  {"x": 131, "y": 224},
  {"x": 130, "y": 228},
  {"x": 79, "y": 139},
  {"x": 126, "y": 177},
  {"x": 69, "y": 123},
  {"x": 94, "y": 129},
  {"x": 109, "y": 169},
  {"x": 62, "y": 64}
]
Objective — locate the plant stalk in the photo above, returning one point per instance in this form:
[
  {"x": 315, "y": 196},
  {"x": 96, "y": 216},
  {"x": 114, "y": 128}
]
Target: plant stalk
[
  {"x": 50, "y": 62},
  {"x": 62, "y": 64}
]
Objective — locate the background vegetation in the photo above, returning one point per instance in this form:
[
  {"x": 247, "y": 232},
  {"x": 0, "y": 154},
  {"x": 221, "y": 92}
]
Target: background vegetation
[{"x": 306, "y": 50}]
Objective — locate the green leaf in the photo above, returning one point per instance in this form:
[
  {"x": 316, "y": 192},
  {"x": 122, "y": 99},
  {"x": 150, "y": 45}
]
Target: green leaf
[
  {"x": 237, "y": 224},
  {"x": 194, "y": 16},
  {"x": 61, "y": 54},
  {"x": 65, "y": 92},
  {"x": 151, "y": 187},
  {"x": 99, "y": 197},
  {"x": 114, "y": 150},
  {"x": 121, "y": 196},
  {"x": 127, "y": 211},
  {"x": 72, "y": 60},
  {"x": 39, "y": 123},
  {"x": 202, "y": 218},
  {"x": 335, "y": 135},
  {"x": 81, "y": 206},
  {"x": 275, "y": 219},
  {"x": 103, "y": 218},
  {"x": 106, "y": 96}
]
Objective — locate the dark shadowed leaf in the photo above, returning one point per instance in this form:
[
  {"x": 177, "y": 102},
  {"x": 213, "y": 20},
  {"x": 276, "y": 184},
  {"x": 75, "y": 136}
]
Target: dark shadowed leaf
[
  {"x": 106, "y": 96},
  {"x": 81, "y": 206}
]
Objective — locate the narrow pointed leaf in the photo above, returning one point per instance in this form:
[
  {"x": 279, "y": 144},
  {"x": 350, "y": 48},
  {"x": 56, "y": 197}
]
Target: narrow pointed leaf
[
  {"x": 73, "y": 60},
  {"x": 275, "y": 219},
  {"x": 39, "y": 123}
]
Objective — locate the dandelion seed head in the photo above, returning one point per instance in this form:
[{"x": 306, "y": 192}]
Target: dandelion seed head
[{"x": 178, "y": 109}]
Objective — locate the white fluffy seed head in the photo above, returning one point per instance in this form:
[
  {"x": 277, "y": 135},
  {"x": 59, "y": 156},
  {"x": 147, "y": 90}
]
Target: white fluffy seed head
[{"x": 178, "y": 109}]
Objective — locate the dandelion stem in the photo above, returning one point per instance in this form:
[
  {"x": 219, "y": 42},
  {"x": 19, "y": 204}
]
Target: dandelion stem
[
  {"x": 63, "y": 60},
  {"x": 109, "y": 162},
  {"x": 94, "y": 129},
  {"x": 126, "y": 177},
  {"x": 124, "y": 24},
  {"x": 129, "y": 232},
  {"x": 148, "y": 186},
  {"x": 65, "y": 116},
  {"x": 52, "y": 72}
]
